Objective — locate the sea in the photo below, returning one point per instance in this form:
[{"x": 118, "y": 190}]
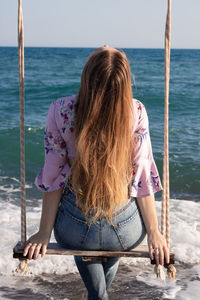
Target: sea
[{"x": 52, "y": 73}]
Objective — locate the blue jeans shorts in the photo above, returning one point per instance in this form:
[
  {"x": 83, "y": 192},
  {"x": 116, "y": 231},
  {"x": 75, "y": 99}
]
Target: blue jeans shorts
[{"x": 72, "y": 231}]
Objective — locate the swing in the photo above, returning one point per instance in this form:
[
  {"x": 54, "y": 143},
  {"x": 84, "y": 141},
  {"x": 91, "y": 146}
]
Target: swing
[{"x": 55, "y": 249}]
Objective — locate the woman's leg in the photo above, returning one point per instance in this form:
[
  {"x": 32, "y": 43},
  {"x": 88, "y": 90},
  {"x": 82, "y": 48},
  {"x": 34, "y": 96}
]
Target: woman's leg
[
  {"x": 97, "y": 276},
  {"x": 110, "y": 269}
]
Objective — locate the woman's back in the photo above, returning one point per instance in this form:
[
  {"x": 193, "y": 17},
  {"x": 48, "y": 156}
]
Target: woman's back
[{"x": 60, "y": 149}]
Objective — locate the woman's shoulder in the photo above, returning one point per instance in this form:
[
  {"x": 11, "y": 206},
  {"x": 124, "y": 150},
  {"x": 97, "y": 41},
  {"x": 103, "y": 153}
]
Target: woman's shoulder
[
  {"x": 139, "y": 110},
  {"x": 64, "y": 113},
  {"x": 67, "y": 101}
]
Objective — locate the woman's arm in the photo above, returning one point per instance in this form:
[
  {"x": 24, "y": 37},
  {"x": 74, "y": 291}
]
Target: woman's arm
[
  {"x": 41, "y": 239},
  {"x": 156, "y": 242}
]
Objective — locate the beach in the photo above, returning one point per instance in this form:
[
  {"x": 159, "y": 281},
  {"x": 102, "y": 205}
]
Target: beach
[
  {"x": 56, "y": 277},
  {"x": 52, "y": 73}
]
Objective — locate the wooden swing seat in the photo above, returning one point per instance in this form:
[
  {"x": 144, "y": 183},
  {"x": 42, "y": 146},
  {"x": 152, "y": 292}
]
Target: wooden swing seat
[{"x": 90, "y": 255}]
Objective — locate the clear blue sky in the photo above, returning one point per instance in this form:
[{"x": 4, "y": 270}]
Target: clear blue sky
[{"x": 91, "y": 23}]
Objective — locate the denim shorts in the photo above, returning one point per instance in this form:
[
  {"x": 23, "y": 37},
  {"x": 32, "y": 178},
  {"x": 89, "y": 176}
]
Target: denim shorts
[{"x": 72, "y": 231}]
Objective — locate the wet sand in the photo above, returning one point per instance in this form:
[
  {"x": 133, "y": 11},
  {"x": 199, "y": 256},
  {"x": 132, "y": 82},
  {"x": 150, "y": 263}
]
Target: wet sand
[{"x": 126, "y": 285}]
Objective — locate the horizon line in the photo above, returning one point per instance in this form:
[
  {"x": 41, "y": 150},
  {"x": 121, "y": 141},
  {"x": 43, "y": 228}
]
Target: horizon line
[{"x": 92, "y": 47}]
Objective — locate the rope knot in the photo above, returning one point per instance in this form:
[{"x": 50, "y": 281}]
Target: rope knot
[
  {"x": 171, "y": 271},
  {"x": 22, "y": 267}
]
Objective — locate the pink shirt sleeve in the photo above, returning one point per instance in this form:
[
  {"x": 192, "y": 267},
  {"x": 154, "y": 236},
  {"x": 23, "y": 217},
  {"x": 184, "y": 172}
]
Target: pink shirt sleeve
[
  {"x": 56, "y": 168},
  {"x": 146, "y": 180}
]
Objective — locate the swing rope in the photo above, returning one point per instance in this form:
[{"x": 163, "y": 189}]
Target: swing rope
[
  {"x": 23, "y": 265},
  {"x": 22, "y": 134},
  {"x": 165, "y": 215}
]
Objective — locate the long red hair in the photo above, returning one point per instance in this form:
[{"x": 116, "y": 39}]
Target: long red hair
[{"x": 103, "y": 132}]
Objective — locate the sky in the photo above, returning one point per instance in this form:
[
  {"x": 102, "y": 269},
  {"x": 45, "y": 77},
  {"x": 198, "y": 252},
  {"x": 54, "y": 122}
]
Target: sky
[{"x": 92, "y": 23}]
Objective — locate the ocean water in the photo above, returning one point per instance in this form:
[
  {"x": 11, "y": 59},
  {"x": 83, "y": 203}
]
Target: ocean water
[{"x": 55, "y": 72}]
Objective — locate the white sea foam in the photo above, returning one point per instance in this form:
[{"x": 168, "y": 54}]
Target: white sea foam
[
  {"x": 185, "y": 243},
  {"x": 10, "y": 234},
  {"x": 11, "y": 185}
]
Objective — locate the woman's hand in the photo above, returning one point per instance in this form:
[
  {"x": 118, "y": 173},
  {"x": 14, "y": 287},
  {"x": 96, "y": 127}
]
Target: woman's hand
[
  {"x": 157, "y": 247},
  {"x": 156, "y": 242},
  {"x": 40, "y": 240},
  {"x": 35, "y": 243}
]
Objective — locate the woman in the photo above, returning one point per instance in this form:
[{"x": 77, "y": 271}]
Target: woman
[{"x": 97, "y": 145}]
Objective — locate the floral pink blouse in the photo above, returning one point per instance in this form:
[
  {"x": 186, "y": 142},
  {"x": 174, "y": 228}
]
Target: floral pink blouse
[{"x": 60, "y": 146}]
